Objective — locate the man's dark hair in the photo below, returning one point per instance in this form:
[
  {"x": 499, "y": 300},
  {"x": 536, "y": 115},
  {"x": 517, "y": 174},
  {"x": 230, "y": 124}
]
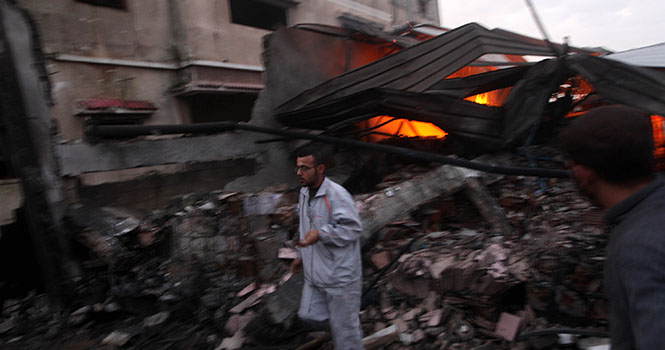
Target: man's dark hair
[
  {"x": 319, "y": 151},
  {"x": 615, "y": 141}
]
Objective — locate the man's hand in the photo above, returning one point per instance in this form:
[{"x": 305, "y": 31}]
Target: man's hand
[
  {"x": 311, "y": 237},
  {"x": 296, "y": 265}
]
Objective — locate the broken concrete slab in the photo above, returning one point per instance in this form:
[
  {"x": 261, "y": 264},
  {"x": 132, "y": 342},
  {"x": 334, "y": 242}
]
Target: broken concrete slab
[
  {"x": 79, "y": 158},
  {"x": 250, "y": 301},
  {"x": 156, "y": 319},
  {"x": 238, "y": 322},
  {"x": 487, "y": 206},
  {"x": 284, "y": 303},
  {"x": 232, "y": 343},
  {"x": 508, "y": 326},
  {"x": 381, "y": 338},
  {"x": 248, "y": 289},
  {"x": 287, "y": 253},
  {"x": 390, "y": 204},
  {"x": 261, "y": 203},
  {"x": 117, "y": 338},
  {"x": 419, "y": 288},
  {"x": 435, "y": 318},
  {"x": 381, "y": 259}
]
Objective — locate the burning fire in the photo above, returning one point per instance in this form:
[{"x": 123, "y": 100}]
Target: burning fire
[
  {"x": 384, "y": 126},
  {"x": 658, "y": 125},
  {"x": 493, "y": 98},
  {"x": 480, "y": 98}
]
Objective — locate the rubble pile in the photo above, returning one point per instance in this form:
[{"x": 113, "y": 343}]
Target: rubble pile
[
  {"x": 464, "y": 287},
  {"x": 211, "y": 272}
]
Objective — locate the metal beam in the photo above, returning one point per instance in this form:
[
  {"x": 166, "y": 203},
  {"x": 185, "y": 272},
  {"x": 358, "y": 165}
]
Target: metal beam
[{"x": 101, "y": 131}]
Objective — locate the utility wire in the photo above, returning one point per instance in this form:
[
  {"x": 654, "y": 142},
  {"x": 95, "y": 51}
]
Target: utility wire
[{"x": 542, "y": 29}]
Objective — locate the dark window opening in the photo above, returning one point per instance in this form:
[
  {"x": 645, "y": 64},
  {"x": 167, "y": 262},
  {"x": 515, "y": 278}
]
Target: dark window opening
[
  {"x": 112, "y": 111},
  {"x": 205, "y": 108},
  {"x": 118, "y": 4},
  {"x": 257, "y": 14},
  {"x": 422, "y": 6},
  {"x": 6, "y": 170}
]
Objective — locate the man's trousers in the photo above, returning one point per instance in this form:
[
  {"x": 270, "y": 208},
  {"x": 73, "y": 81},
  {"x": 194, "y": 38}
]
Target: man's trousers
[{"x": 340, "y": 306}]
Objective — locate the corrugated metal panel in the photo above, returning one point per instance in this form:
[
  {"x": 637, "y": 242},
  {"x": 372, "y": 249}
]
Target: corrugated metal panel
[
  {"x": 648, "y": 56},
  {"x": 417, "y": 68},
  {"x": 640, "y": 87},
  {"x": 463, "y": 118}
]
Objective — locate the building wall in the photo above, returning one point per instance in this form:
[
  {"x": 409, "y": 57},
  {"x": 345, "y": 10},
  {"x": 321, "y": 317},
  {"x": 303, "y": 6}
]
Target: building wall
[
  {"x": 101, "y": 81},
  {"x": 151, "y": 49},
  {"x": 388, "y": 14},
  {"x": 141, "y": 32},
  {"x": 138, "y": 53}
]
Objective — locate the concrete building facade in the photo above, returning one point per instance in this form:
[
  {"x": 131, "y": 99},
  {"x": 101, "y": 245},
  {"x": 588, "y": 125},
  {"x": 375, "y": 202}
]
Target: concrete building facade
[
  {"x": 190, "y": 61},
  {"x": 175, "y": 62}
]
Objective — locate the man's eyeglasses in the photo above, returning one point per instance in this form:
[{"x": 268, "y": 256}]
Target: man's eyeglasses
[{"x": 303, "y": 168}]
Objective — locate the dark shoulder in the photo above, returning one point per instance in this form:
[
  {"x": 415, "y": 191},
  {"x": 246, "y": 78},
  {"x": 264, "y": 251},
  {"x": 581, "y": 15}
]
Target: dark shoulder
[{"x": 640, "y": 238}]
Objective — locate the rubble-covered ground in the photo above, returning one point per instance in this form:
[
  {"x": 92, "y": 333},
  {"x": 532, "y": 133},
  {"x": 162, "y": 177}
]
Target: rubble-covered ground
[{"x": 201, "y": 274}]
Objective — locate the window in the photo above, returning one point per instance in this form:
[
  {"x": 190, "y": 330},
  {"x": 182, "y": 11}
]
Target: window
[
  {"x": 206, "y": 108},
  {"x": 267, "y": 15},
  {"x": 112, "y": 111},
  {"x": 422, "y": 7},
  {"x": 118, "y": 4}
]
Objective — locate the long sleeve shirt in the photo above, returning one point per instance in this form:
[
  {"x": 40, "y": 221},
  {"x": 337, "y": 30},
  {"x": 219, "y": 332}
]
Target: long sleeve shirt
[
  {"x": 334, "y": 260},
  {"x": 635, "y": 269}
]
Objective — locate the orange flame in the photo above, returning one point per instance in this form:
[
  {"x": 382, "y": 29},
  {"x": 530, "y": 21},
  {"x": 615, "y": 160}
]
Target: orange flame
[
  {"x": 493, "y": 98},
  {"x": 480, "y": 98},
  {"x": 658, "y": 125},
  {"x": 400, "y": 128}
]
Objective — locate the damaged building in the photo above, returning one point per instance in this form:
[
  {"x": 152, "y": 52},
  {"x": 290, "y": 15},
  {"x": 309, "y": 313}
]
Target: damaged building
[
  {"x": 151, "y": 162},
  {"x": 166, "y": 62}
]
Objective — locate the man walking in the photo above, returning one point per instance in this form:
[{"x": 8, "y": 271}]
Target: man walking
[
  {"x": 611, "y": 149},
  {"x": 328, "y": 251}
]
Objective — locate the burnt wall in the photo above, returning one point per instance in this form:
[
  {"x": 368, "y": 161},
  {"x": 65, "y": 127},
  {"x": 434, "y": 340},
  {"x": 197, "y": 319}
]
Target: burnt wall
[{"x": 156, "y": 190}]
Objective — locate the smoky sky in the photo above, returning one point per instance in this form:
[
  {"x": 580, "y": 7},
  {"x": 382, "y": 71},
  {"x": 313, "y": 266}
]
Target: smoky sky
[{"x": 614, "y": 24}]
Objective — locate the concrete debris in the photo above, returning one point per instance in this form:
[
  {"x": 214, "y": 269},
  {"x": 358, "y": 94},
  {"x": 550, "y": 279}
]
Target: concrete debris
[
  {"x": 418, "y": 335},
  {"x": 434, "y": 318},
  {"x": 212, "y": 270},
  {"x": 253, "y": 299},
  {"x": 7, "y": 325},
  {"x": 487, "y": 206},
  {"x": 508, "y": 326},
  {"x": 381, "y": 259},
  {"x": 594, "y": 344},
  {"x": 381, "y": 338},
  {"x": 285, "y": 278},
  {"x": 261, "y": 204},
  {"x": 250, "y": 288},
  {"x": 406, "y": 338},
  {"x": 156, "y": 319},
  {"x": 79, "y": 316},
  {"x": 237, "y": 322},
  {"x": 116, "y": 338},
  {"x": 232, "y": 343},
  {"x": 287, "y": 253}
]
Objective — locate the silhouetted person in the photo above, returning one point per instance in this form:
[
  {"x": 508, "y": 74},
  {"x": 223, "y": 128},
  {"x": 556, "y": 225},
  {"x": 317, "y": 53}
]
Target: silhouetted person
[{"x": 611, "y": 153}]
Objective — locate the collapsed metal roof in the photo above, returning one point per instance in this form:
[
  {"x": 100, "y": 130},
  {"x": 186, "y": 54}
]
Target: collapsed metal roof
[
  {"x": 417, "y": 68},
  {"x": 412, "y": 84}
]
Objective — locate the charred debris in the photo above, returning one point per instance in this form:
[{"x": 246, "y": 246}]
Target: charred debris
[{"x": 475, "y": 239}]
